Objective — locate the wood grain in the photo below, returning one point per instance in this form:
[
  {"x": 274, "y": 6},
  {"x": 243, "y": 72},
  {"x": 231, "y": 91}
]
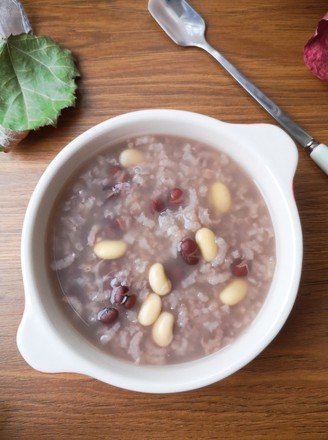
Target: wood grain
[{"x": 127, "y": 63}]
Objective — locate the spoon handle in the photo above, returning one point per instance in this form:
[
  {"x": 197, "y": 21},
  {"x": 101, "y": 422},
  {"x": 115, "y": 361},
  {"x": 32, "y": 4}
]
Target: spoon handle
[{"x": 318, "y": 152}]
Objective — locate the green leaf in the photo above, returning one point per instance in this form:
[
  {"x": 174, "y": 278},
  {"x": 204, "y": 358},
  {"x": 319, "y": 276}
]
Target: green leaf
[{"x": 36, "y": 81}]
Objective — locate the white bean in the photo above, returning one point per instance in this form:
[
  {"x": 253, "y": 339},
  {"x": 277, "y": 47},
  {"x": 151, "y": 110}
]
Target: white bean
[
  {"x": 162, "y": 330},
  {"x": 220, "y": 197},
  {"x": 205, "y": 239},
  {"x": 131, "y": 157},
  {"x": 234, "y": 292},
  {"x": 110, "y": 249},
  {"x": 158, "y": 280},
  {"x": 150, "y": 309}
]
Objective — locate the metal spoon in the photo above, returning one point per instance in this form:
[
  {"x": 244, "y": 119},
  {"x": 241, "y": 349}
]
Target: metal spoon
[{"x": 187, "y": 28}]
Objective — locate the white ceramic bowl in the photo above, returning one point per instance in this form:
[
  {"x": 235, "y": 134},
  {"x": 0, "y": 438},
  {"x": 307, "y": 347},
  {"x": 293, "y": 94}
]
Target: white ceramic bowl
[{"x": 50, "y": 343}]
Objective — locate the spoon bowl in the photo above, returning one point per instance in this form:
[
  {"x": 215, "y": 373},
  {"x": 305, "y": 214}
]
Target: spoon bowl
[{"x": 180, "y": 21}]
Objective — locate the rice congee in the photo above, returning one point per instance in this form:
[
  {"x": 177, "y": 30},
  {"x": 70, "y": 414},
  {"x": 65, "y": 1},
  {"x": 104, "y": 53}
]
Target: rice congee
[{"x": 161, "y": 250}]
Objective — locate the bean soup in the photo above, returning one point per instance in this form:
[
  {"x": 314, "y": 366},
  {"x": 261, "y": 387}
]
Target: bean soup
[{"x": 161, "y": 250}]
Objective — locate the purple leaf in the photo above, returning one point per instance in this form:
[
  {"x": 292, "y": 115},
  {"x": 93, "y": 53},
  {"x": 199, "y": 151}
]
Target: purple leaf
[{"x": 316, "y": 51}]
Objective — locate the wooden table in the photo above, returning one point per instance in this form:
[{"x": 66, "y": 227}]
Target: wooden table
[{"x": 127, "y": 63}]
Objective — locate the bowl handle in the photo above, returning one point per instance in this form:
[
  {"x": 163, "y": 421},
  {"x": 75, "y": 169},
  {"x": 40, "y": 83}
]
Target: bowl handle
[
  {"x": 42, "y": 349},
  {"x": 275, "y": 146}
]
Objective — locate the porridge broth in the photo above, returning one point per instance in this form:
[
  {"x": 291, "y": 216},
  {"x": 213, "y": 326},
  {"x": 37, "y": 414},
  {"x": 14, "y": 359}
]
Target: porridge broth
[{"x": 148, "y": 198}]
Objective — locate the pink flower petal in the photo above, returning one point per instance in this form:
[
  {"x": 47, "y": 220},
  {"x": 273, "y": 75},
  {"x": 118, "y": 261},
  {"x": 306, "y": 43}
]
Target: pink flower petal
[{"x": 316, "y": 51}]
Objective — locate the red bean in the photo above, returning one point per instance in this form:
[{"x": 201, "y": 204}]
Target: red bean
[
  {"x": 129, "y": 301},
  {"x": 107, "y": 315},
  {"x": 239, "y": 267},
  {"x": 114, "y": 170},
  {"x": 189, "y": 251},
  {"x": 157, "y": 205},
  {"x": 119, "y": 293},
  {"x": 118, "y": 174},
  {"x": 121, "y": 297},
  {"x": 112, "y": 195},
  {"x": 175, "y": 196}
]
